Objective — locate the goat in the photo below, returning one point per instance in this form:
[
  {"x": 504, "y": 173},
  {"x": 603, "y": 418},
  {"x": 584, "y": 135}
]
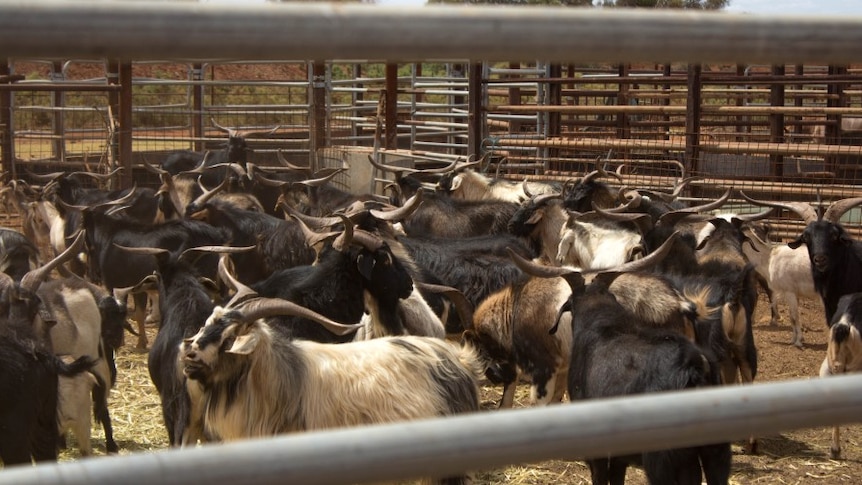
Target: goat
[
  {"x": 844, "y": 348},
  {"x": 235, "y": 151},
  {"x": 463, "y": 182},
  {"x": 74, "y": 402},
  {"x": 836, "y": 258},
  {"x": 114, "y": 268},
  {"x": 787, "y": 273},
  {"x": 612, "y": 355},
  {"x": 87, "y": 322},
  {"x": 29, "y": 369},
  {"x": 253, "y": 381},
  {"x": 186, "y": 303},
  {"x": 18, "y": 254},
  {"x": 510, "y": 327}
]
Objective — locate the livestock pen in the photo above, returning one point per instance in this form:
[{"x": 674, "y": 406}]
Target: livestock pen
[{"x": 542, "y": 119}]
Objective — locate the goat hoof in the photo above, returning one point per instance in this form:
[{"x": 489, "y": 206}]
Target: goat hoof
[
  {"x": 751, "y": 448},
  {"x": 112, "y": 448},
  {"x": 835, "y": 453}
]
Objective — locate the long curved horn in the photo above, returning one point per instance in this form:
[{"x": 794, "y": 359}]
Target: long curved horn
[
  {"x": 399, "y": 170},
  {"x": 756, "y": 216},
  {"x": 462, "y": 305},
  {"x": 289, "y": 165},
  {"x": 256, "y": 308},
  {"x": 45, "y": 178},
  {"x": 711, "y": 205},
  {"x": 839, "y": 207},
  {"x": 343, "y": 240},
  {"x": 110, "y": 203},
  {"x": 801, "y": 209},
  {"x": 312, "y": 237},
  {"x": 255, "y": 133},
  {"x": 225, "y": 273},
  {"x": 202, "y": 199},
  {"x": 34, "y": 278},
  {"x": 600, "y": 172},
  {"x": 214, "y": 249},
  {"x": 401, "y": 213},
  {"x": 98, "y": 176},
  {"x": 229, "y": 131}
]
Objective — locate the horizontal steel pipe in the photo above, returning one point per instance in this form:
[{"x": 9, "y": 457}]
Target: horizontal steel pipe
[
  {"x": 446, "y": 446},
  {"x": 324, "y": 31}
]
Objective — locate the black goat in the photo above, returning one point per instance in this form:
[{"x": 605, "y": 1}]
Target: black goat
[
  {"x": 18, "y": 254},
  {"x": 356, "y": 273},
  {"x": 279, "y": 243},
  {"x": 836, "y": 258},
  {"x": 115, "y": 268},
  {"x": 613, "y": 357}
]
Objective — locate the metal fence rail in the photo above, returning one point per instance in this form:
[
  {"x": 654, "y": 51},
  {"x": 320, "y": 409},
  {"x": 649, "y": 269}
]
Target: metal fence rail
[
  {"x": 61, "y": 29},
  {"x": 447, "y": 446}
]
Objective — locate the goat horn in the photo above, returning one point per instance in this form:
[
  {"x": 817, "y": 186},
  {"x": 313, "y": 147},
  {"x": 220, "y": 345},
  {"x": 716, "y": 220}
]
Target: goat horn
[
  {"x": 48, "y": 177},
  {"x": 289, "y": 165},
  {"x": 225, "y": 272},
  {"x": 229, "y": 131},
  {"x": 202, "y": 199},
  {"x": 321, "y": 180},
  {"x": 462, "y": 305},
  {"x": 801, "y": 209},
  {"x": 632, "y": 197},
  {"x": 256, "y": 308},
  {"x": 679, "y": 187},
  {"x": 838, "y": 208},
  {"x": 600, "y": 172},
  {"x": 402, "y": 212},
  {"x": 98, "y": 176},
  {"x": 535, "y": 269},
  {"x": 122, "y": 294},
  {"x": 756, "y": 216},
  {"x": 313, "y": 237},
  {"x": 641, "y": 220},
  {"x": 343, "y": 240},
  {"x": 34, "y": 278},
  {"x": 214, "y": 249},
  {"x": 711, "y": 205},
  {"x": 255, "y": 133}
]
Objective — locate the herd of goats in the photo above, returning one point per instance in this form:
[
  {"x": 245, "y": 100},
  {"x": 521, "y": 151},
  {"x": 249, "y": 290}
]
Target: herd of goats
[{"x": 286, "y": 304}]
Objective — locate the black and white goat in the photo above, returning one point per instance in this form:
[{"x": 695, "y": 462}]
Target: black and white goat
[
  {"x": 844, "y": 348},
  {"x": 29, "y": 369},
  {"x": 253, "y": 380},
  {"x": 836, "y": 258}
]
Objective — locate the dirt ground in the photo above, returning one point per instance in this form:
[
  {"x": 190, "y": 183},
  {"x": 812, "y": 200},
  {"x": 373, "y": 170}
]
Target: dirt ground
[{"x": 796, "y": 457}]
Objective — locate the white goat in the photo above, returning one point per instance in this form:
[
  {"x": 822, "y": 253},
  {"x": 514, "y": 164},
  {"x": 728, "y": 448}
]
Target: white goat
[
  {"x": 74, "y": 404},
  {"x": 787, "y": 273},
  {"x": 597, "y": 245}
]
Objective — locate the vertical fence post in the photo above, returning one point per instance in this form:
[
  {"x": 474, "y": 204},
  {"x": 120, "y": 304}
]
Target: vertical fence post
[
  {"x": 391, "y": 113},
  {"x": 776, "y": 122},
  {"x": 125, "y": 123},
  {"x": 7, "y": 156},
  {"x": 318, "y": 111},
  {"x": 58, "y": 118},
  {"x": 623, "y": 127},
  {"x": 198, "y": 106},
  {"x": 692, "y": 119},
  {"x": 836, "y": 99},
  {"x": 555, "y": 98},
  {"x": 475, "y": 113},
  {"x": 112, "y": 74}
]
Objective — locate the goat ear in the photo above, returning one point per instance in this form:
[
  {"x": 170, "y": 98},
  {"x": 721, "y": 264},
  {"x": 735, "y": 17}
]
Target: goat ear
[
  {"x": 456, "y": 183},
  {"x": 795, "y": 243},
  {"x": 535, "y": 218},
  {"x": 845, "y": 239},
  {"x": 365, "y": 265},
  {"x": 244, "y": 344}
]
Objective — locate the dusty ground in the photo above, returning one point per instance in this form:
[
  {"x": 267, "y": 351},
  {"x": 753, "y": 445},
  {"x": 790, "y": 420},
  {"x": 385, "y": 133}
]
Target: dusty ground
[{"x": 796, "y": 457}]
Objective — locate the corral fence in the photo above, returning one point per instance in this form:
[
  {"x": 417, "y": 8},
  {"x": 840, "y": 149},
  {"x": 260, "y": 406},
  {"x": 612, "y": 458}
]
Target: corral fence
[
  {"x": 739, "y": 106},
  {"x": 791, "y": 132}
]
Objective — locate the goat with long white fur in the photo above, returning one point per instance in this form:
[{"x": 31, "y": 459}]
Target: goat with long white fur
[{"x": 249, "y": 379}]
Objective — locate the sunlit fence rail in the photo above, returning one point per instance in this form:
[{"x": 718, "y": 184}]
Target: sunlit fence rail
[{"x": 533, "y": 114}]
